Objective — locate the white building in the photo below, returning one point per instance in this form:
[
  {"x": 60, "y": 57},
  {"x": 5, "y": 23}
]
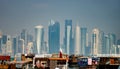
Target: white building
[
  {"x": 9, "y": 46},
  {"x": 77, "y": 41},
  {"x": 68, "y": 39},
  {"x": 39, "y": 38},
  {"x": 30, "y": 47},
  {"x": 97, "y": 42}
]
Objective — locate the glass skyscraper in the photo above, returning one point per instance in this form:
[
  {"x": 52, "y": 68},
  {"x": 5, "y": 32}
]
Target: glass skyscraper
[
  {"x": 102, "y": 40},
  {"x": 24, "y": 37},
  {"x": 97, "y": 42},
  {"x": 118, "y": 44},
  {"x": 83, "y": 40},
  {"x": 68, "y": 37},
  {"x": 14, "y": 44},
  {"x": 21, "y": 46},
  {"x": 107, "y": 44},
  {"x": 39, "y": 39},
  {"x": 112, "y": 40},
  {"x": 54, "y": 37},
  {"x": 29, "y": 38},
  {"x": 4, "y": 41}
]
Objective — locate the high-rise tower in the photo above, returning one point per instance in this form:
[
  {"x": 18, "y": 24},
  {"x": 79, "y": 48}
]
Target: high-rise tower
[
  {"x": 0, "y": 42},
  {"x": 39, "y": 38},
  {"x": 112, "y": 41},
  {"x": 4, "y": 41},
  {"x": 68, "y": 37},
  {"x": 9, "y": 45},
  {"x": 97, "y": 41},
  {"x": 14, "y": 44},
  {"x": 54, "y": 37},
  {"x": 83, "y": 40},
  {"x": 24, "y": 37},
  {"x": 77, "y": 49}
]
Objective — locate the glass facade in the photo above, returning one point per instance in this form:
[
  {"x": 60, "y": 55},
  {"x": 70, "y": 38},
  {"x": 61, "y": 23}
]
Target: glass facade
[
  {"x": 14, "y": 45},
  {"x": 39, "y": 39},
  {"x": 83, "y": 40},
  {"x": 54, "y": 37},
  {"x": 68, "y": 40}
]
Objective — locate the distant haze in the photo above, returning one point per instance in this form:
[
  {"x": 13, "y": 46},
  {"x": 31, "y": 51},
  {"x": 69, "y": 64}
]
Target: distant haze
[{"x": 16, "y": 15}]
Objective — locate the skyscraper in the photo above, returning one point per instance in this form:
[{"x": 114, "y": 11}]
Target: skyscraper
[
  {"x": 39, "y": 38},
  {"x": 112, "y": 40},
  {"x": 9, "y": 45},
  {"x": 77, "y": 49},
  {"x": 0, "y": 42},
  {"x": 14, "y": 44},
  {"x": 29, "y": 38},
  {"x": 107, "y": 44},
  {"x": 21, "y": 48},
  {"x": 68, "y": 37},
  {"x": 83, "y": 40},
  {"x": 118, "y": 43},
  {"x": 102, "y": 39},
  {"x": 54, "y": 37},
  {"x": 97, "y": 41},
  {"x": 24, "y": 37},
  {"x": 30, "y": 48},
  {"x": 4, "y": 41},
  {"x": 1, "y": 45}
]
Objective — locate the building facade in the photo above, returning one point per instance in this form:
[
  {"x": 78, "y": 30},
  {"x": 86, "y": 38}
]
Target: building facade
[
  {"x": 77, "y": 49},
  {"x": 68, "y": 37},
  {"x": 97, "y": 42},
  {"x": 14, "y": 44},
  {"x": 83, "y": 41},
  {"x": 39, "y": 39},
  {"x": 54, "y": 37},
  {"x": 9, "y": 46},
  {"x": 112, "y": 41}
]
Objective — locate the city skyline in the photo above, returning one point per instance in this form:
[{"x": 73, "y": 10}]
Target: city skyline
[
  {"x": 18, "y": 15},
  {"x": 74, "y": 42}
]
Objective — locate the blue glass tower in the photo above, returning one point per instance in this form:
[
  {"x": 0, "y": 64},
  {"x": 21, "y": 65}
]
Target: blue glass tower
[
  {"x": 29, "y": 38},
  {"x": 24, "y": 37},
  {"x": 69, "y": 49},
  {"x": 83, "y": 40},
  {"x": 4, "y": 39},
  {"x": 14, "y": 45},
  {"x": 54, "y": 37},
  {"x": 107, "y": 44},
  {"x": 112, "y": 41},
  {"x": 20, "y": 46},
  {"x": 118, "y": 42},
  {"x": 102, "y": 39}
]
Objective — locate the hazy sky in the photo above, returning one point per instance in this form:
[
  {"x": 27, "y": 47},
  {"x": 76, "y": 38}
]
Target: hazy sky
[{"x": 16, "y": 15}]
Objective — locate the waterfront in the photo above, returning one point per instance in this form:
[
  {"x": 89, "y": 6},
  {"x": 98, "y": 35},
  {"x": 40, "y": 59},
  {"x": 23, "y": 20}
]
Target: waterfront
[
  {"x": 79, "y": 68},
  {"x": 73, "y": 68}
]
